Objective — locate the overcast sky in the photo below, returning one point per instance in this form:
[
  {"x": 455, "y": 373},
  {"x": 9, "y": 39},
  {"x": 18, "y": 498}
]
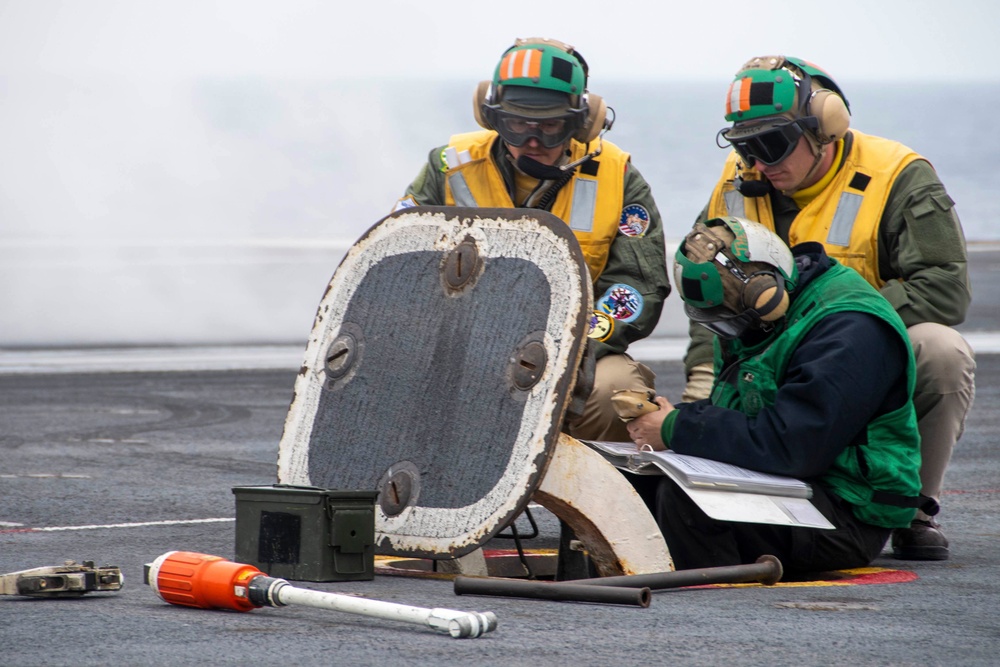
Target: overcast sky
[
  {"x": 150, "y": 147},
  {"x": 694, "y": 39}
]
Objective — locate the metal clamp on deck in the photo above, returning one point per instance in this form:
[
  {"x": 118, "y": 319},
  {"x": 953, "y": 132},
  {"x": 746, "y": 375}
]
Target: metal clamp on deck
[{"x": 62, "y": 581}]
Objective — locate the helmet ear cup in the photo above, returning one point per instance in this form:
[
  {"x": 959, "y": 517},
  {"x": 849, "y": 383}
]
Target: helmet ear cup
[
  {"x": 597, "y": 118},
  {"x": 831, "y": 113},
  {"x": 766, "y": 294},
  {"x": 478, "y": 100}
]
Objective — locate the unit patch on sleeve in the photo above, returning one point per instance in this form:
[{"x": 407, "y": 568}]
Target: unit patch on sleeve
[
  {"x": 622, "y": 302},
  {"x": 602, "y": 326},
  {"x": 634, "y": 220},
  {"x": 406, "y": 202}
]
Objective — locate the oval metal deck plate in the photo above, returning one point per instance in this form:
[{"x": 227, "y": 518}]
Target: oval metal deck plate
[{"x": 448, "y": 339}]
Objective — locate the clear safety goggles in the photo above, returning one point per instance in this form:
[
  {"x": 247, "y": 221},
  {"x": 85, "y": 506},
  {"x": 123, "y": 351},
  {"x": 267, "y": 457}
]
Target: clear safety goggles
[{"x": 551, "y": 132}]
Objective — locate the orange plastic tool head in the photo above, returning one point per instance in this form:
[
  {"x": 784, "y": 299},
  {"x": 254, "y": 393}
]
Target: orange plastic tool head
[{"x": 200, "y": 580}]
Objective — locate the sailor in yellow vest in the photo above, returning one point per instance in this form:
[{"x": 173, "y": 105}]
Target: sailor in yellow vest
[
  {"x": 543, "y": 148},
  {"x": 878, "y": 208}
]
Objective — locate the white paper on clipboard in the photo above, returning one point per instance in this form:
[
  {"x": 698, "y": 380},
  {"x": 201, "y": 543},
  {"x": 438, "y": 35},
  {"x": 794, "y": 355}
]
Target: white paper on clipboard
[{"x": 758, "y": 508}]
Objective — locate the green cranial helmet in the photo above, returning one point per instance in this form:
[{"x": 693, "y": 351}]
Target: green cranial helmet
[
  {"x": 775, "y": 86},
  {"x": 770, "y": 92},
  {"x": 542, "y": 64},
  {"x": 733, "y": 275}
]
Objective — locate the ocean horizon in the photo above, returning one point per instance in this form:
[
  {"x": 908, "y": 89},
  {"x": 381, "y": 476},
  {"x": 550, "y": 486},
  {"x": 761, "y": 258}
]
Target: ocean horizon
[
  {"x": 190, "y": 158},
  {"x": 215, "y": 210}
]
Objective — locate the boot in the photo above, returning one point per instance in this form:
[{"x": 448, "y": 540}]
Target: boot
[{"x": 923, "y": 540}]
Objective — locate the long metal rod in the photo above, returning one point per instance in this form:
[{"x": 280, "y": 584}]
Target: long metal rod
[
  {"x": 540, "y": 590},
  {"x": 459, "y": 624},
  {"x": 767, "y": 570}
]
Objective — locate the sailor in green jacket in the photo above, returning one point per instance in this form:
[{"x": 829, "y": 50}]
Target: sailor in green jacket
[
  {"x": 878, "y": 208},
  {"x": 542, "y": 147},
  {"x": 815, "y": 381}
]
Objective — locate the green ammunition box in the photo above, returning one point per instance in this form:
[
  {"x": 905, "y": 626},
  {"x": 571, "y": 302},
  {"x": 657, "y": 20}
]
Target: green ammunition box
[{"x": 305, "y": 533}]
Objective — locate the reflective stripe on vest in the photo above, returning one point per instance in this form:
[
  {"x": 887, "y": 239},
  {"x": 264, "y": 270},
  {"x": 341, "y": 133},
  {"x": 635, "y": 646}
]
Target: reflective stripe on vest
[
  {"x": 581, "y": 218},
  {"x": 460, "y": 190},
  {"x": 842, "y": 224},
  {"x": 734, "y": 204}
]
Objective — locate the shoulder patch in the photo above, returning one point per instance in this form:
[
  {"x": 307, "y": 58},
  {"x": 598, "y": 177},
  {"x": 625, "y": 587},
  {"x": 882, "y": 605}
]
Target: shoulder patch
[
  {"x": 622, "y": 302},
  {"x": 406, "y": 202},
  {"x": 634, "y": 220},
  {"x": 602, "y": 326}
]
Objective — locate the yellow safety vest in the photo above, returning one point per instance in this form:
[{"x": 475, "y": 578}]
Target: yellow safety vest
[
  {"x": 591, "y": 203},
  {"x": 845, "y": 216}
]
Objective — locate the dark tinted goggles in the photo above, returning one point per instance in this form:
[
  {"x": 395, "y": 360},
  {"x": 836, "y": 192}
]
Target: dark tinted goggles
[
  {"x": 723, "y": 322},
  {"x": 550, "y": 132},
  {"x": 769, "y": 147}
]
